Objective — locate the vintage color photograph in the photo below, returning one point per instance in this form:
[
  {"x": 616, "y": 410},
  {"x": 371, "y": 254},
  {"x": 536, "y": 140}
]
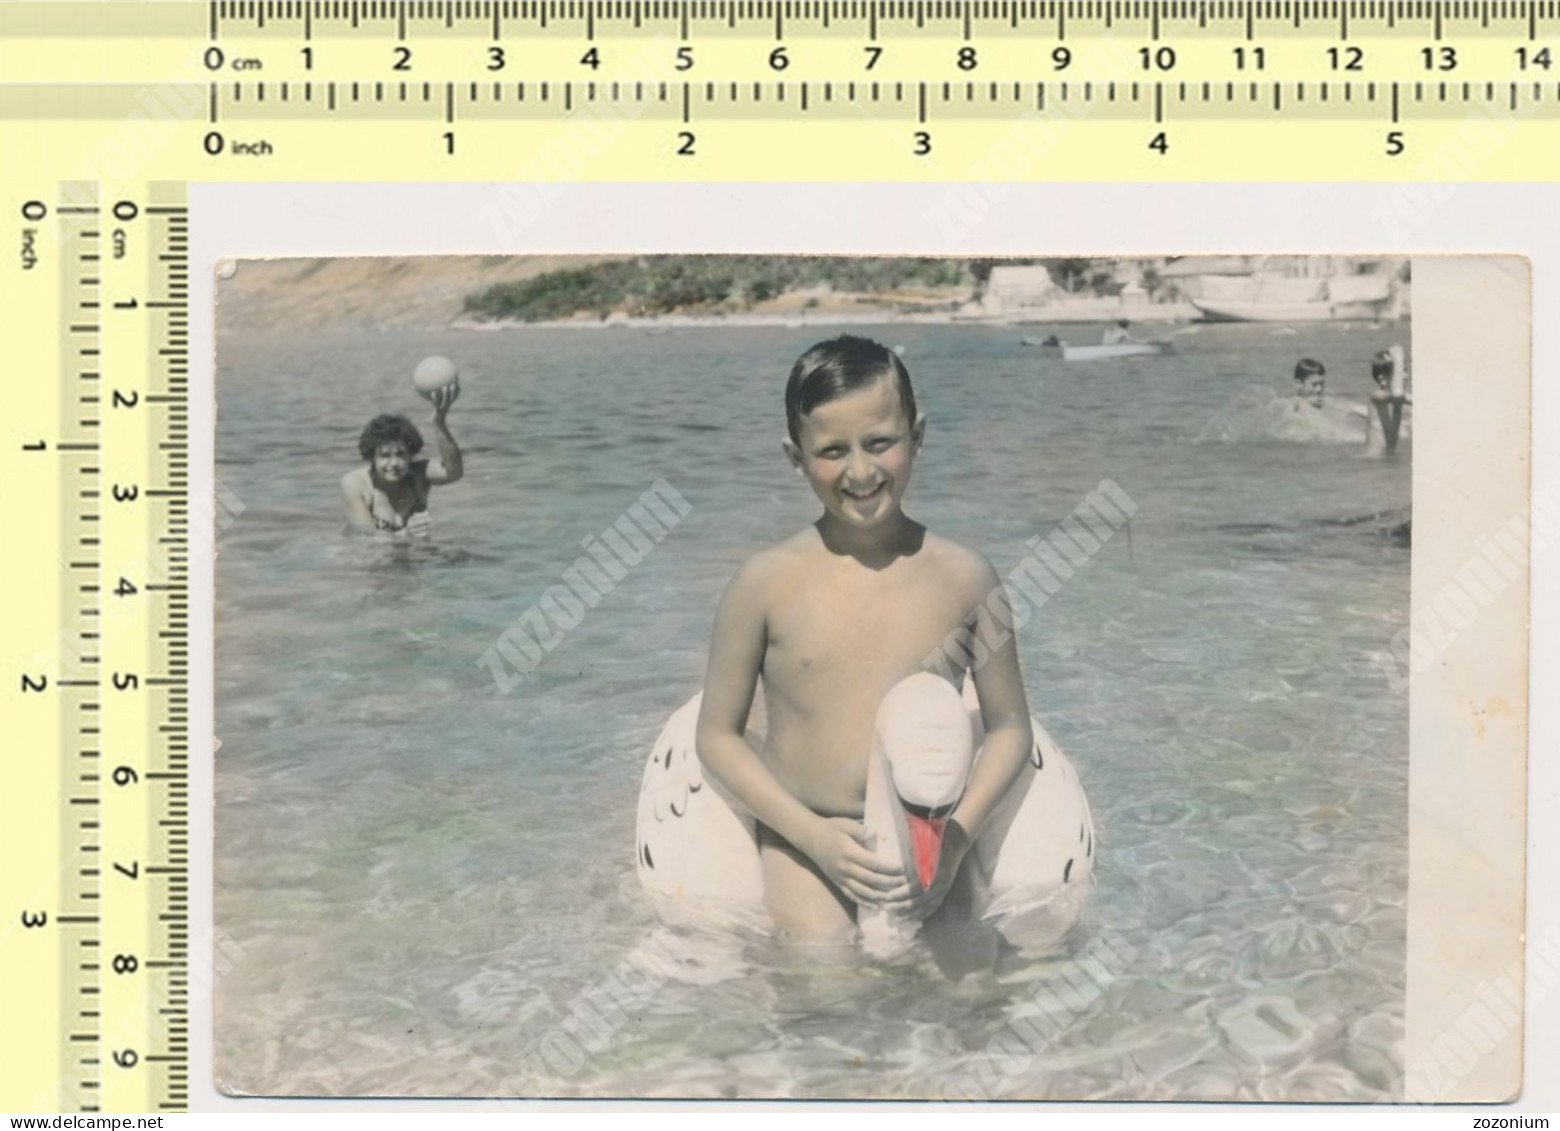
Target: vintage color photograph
[{"x": 813, "y": 677}]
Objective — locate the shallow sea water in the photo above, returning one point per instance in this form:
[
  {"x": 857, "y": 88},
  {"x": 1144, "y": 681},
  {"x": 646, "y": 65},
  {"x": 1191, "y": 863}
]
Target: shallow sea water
[{"x": 427, "y": 888}]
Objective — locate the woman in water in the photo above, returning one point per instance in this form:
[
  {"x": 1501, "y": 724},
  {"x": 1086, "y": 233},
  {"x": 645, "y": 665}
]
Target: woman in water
[{"x": 390, "y": 492}]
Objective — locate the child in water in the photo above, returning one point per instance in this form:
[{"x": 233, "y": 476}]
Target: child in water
[
  {"x": 1384, "y": 423},
  {"x": 832, "y": 618},
  {"x": 390, "y": 493},
  {"x": 1310, "y": 383}
]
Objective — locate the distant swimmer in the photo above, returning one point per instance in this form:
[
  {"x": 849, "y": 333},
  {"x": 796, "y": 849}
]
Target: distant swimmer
[
  {"x": 390, "y": 493},
  {"x": 1118, "y": 334},
  {"x": 1310, "y": 382},
  {"x": 1384, "y": 426}
]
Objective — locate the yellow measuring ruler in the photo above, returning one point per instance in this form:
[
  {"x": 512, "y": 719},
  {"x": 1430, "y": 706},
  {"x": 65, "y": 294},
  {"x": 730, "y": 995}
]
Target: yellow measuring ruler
[
  {"x": 787, "y": 89},
  {"x": 94, "y": 827}
]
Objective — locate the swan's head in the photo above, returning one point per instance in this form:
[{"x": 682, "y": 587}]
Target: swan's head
[{"x": 924, "y": 732}]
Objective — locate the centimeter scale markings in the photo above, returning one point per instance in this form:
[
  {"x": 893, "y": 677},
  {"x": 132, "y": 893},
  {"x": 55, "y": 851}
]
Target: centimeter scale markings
[
  {"x": 260, "y": 89},
  {"x": 94, "y": 978}
]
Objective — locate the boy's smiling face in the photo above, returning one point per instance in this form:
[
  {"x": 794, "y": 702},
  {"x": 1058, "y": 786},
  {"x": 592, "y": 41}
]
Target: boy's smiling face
[{"x": 857, "y": 451}]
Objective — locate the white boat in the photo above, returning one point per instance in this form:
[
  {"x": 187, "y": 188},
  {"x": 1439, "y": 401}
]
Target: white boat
[
  {"x": 1259, "y": 298},
  {"x": 1068, "y": 352}
]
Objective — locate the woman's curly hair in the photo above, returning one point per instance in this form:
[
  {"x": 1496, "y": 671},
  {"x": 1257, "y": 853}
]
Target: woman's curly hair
[{"x": 384, "y": 429}]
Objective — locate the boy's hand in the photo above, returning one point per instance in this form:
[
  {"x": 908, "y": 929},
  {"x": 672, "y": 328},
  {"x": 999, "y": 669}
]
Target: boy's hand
[{"x": 839, "y": 849}]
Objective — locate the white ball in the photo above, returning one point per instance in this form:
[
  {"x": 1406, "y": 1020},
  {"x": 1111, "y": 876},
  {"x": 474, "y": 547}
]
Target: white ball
[{"x": 433, "y": 374}]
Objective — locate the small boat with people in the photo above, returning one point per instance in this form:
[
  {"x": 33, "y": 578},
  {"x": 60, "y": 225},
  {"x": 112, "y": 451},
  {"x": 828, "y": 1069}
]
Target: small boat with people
[
  {"x": 1068, "y": 352},
  {"x": 1116, "y": 342}
]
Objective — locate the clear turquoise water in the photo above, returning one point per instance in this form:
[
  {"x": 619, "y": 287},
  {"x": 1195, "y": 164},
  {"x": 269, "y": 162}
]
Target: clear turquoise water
[{"x": 421, "y": 878}]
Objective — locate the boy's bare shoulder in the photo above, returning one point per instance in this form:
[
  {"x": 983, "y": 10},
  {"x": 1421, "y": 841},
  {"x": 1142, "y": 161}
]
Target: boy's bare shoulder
[
  {"x": 962, "y": 567},
  {"x": 771, "y": 565}
]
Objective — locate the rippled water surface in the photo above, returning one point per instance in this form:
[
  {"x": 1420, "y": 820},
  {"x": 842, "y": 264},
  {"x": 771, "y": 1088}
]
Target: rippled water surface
[{"x": 428, "y": 886}]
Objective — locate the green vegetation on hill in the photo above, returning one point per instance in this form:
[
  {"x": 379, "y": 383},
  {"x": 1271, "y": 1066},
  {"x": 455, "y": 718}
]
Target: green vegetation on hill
[{"x": 704, "y": 283}]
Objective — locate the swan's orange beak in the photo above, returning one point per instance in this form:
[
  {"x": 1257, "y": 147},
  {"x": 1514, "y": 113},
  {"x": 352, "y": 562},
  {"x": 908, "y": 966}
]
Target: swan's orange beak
[{"x": 926, "y": 841}]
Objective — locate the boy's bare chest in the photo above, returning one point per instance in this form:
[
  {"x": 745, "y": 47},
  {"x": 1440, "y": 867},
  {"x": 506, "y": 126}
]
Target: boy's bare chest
[{"x": 832, "y": 628}]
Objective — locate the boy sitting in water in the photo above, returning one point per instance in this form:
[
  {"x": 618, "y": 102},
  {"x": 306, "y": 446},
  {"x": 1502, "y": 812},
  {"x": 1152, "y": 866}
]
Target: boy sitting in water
[
  {"x": 1310, "y": 383},
  {"x": 390, "y": 493},
  {"x": 832, "y": 618}
]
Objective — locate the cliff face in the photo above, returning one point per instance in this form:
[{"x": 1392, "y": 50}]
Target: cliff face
[{"x": 423, "y": 293}]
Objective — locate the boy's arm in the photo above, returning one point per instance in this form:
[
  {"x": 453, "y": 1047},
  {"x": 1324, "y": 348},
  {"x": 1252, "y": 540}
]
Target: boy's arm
[
  {"x": 736, "y": 656},
  {"x": 1004, "y": 712},
  {"x": 449, "y": 466}
]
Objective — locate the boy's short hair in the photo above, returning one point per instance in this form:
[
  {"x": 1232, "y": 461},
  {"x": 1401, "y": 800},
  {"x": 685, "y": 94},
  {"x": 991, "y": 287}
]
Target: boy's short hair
[
  {"x": 1309, "y": 367},
  {"x": 385, "y": 429},
  {"x": 841, "y": 365}
]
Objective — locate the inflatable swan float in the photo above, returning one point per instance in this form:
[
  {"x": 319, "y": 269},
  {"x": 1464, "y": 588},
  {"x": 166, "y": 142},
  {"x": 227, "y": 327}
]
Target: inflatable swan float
[{"x": 1028, "y": 873}]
